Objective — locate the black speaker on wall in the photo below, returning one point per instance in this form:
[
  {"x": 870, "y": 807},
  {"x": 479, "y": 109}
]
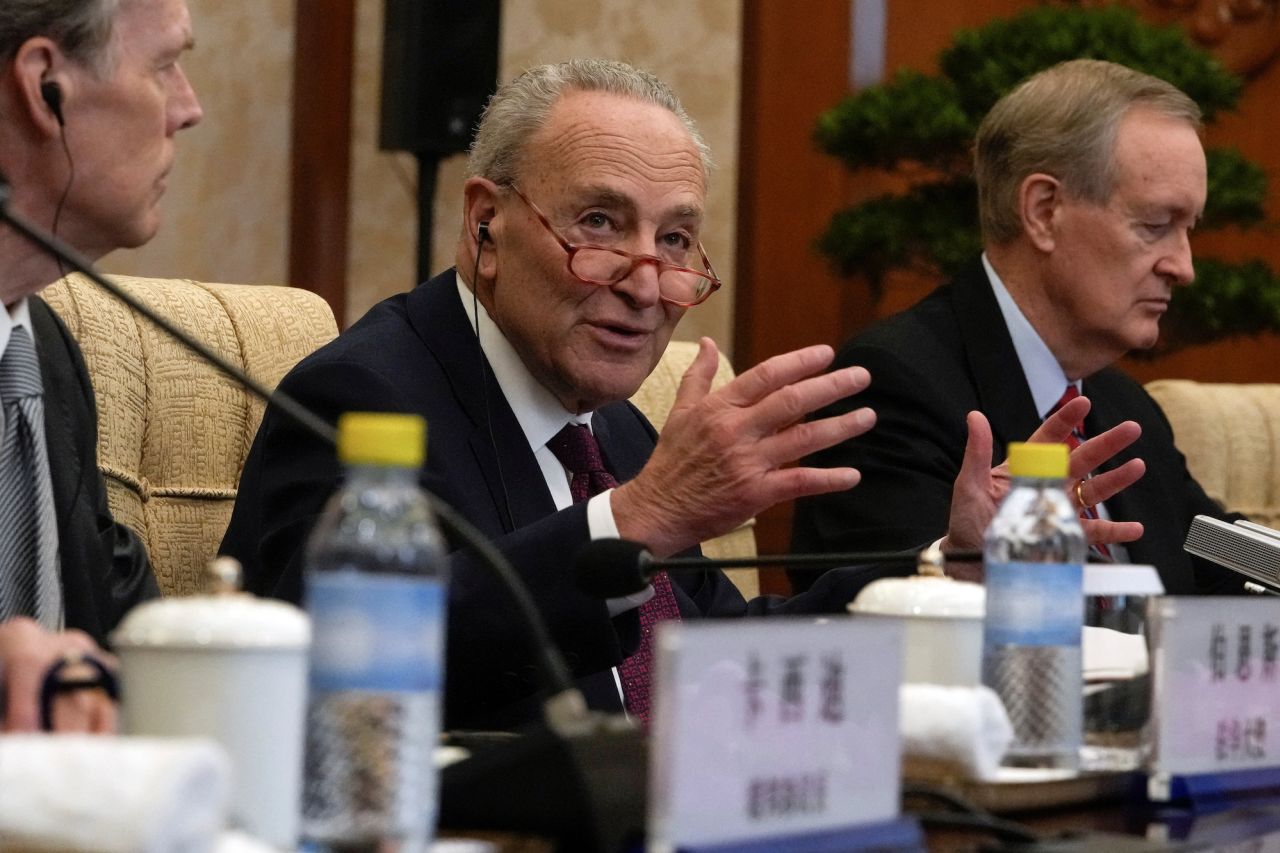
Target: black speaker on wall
[{"x": 439, "y": 67}]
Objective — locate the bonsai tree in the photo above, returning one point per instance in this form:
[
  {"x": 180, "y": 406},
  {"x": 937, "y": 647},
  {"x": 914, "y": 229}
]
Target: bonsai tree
[{"x": 922, "y": 128}]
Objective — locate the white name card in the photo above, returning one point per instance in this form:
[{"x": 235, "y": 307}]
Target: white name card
[
  {"x": 1217, "y": 685},
  {"x": 765, "y": 728}
]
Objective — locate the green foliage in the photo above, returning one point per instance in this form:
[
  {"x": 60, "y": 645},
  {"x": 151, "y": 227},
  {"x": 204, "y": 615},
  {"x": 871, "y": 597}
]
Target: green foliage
[
  {"x": 933, "y": 223},
  {"x": 1226, "y": 300},
  {"x": 987, "y": 62},
  {"x": 1237, "y": 189},
  {"x": 932, "y": 120},
  {"x": 913, "y": 117},
  {"x": 916, "y": 120}
]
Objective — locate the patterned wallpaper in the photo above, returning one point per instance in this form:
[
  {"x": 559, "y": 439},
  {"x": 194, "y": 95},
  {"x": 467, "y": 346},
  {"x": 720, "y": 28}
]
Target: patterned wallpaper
[{"x": 226, "y": 210}]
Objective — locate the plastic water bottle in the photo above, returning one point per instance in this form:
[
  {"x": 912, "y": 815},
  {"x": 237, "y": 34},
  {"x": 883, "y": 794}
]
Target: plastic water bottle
[
  {"x": 375, "y": 591},
  {"x": 1035, "y": 551}
]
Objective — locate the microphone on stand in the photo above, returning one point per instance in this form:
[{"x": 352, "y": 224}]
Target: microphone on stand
[
  {"x": 613, "y": 568},
  {"x": 580, "y": 777}
]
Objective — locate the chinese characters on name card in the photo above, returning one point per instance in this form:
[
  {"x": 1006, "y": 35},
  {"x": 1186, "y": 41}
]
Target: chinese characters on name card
[
  {"x": 1217, "y": 700},
  {"x": 773, "y": 727}
]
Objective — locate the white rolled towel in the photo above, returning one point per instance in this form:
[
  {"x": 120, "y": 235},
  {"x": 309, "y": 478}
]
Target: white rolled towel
[
  {"x": 112, "y": 794},
  {"x": 965, "y": 726}
]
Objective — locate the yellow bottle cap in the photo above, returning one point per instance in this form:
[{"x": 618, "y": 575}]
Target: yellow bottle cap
[
  {"x": 381, "y": 438},
  {"x": 1045, "y": 461}
]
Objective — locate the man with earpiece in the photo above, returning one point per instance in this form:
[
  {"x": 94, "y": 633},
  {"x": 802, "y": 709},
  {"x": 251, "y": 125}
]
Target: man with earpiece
[
  {"x": 580, "y": 250},
  {"x": 91, "y": 97}
]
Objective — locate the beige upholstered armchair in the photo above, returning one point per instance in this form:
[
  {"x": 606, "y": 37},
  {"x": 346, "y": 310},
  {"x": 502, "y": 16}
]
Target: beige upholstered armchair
[
  {"x": 173, "y": 432},
  {"x": 654, "y": 399},
  {"x": 1230, "y": 435}
]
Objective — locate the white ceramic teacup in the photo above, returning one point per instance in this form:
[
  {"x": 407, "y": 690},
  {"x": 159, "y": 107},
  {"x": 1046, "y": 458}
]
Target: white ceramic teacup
[
  {"x": 943, "y": 619},
  {"x": 234, "y": 668}
]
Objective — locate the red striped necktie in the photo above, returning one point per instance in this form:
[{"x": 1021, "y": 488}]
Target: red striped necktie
[
  {"x": 579, "y": 452},
  {"x": 1074, "y": 440}
]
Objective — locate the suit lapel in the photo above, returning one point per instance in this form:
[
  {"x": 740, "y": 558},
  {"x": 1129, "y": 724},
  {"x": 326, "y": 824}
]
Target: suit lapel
[
  {"x": 61, "y": 386},
  {"x": 1003, "y": 393},
  {"x": 440, "y": 322}
]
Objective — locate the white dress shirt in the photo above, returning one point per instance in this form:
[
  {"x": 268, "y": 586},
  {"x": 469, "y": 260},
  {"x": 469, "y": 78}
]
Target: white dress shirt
[
  {"x": 541, "y": 417},
  {"x": 18, "y": 314}
]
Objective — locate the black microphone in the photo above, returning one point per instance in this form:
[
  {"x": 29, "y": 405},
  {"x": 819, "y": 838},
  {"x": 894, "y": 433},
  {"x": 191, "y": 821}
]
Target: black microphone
[
  {"x": 582, "y": 776},
  {"x": 612, "y": 568}
]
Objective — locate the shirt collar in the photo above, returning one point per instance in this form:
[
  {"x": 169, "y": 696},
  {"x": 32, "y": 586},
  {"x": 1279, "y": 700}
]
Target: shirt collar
[
  {"x": 18, "y": 314},
  {"x": 538, "y": 411},
  {"x": 1044, "y": 375}
]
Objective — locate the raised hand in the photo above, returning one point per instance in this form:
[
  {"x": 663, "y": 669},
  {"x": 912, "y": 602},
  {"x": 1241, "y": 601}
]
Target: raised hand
[
  {"x": 979, "y": 489},
  {"x": 726, "y": 456}
]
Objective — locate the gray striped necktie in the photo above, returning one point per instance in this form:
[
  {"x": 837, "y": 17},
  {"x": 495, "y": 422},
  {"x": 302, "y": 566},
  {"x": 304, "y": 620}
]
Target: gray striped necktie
[{"x": 29, "y": 584}]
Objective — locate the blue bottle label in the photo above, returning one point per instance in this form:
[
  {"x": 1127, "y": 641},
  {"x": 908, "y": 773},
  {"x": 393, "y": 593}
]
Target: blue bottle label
[
  {"x": 1034, "y": 604},
  {"x": 375, "y": 632}
]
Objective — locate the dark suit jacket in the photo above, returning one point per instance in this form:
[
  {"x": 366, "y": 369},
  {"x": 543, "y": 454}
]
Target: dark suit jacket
[
  {"x": 104, "y": 565},
  {"x": 416, "y": 352},
  {"x": 946, "y": 356}
]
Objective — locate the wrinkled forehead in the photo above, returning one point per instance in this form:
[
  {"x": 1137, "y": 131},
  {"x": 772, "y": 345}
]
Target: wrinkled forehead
[
  {"x": 604, "y": 140},
  {"x": 160, "y": 21},
  {"x": 1160, "y": 159}
]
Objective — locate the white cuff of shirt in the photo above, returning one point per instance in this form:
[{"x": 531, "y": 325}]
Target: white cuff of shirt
[{"x": 602, "y": 525}]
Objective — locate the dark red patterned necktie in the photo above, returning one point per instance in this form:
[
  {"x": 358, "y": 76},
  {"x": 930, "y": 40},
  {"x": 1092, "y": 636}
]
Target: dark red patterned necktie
[
  {"x": 579, "y": 452},
  {"x": 1074, "y": 440}
]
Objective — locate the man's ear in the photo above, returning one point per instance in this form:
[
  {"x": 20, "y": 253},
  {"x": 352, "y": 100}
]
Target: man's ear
[
  {"x": 38, "y": 68},
  {"x": 480, "y": 208},
  {"x": 1040, "y": 199}
]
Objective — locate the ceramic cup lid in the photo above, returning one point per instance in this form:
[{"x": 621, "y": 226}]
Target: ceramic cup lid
[
  {"x": 918, "y": 595},
  {"x": 225, "y": 619}
]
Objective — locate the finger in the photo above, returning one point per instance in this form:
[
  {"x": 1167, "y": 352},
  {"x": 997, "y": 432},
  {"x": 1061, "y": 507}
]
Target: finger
[
  {"x": 808, "y": 437},
  {"x": 22, "y": 682},
  {"x": 971, "y": 504},
  {"x": 696, "y": 381},
  {"x": 88, "y": 710},
  {"x": 768, "y": 376},
  {"x": 1100, "y": 531},
  {"x": 1097, "y": 450},
  {"x": 975, "y": 468},
  {"x": 74, "y": 711},
  {"x": 106, "y": 718},
  {"x": 794, "y": 402},
  {"x": 73, "y": 639},
  {"x": 1105, "y": 486},
  {"x": 1059, "y": 425},
  {"x": 787, "y": 484}
]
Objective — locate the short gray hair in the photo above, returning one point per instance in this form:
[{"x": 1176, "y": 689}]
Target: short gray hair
[
  {"x": 82, "y": 28},
  {"x": 1062, "y": 122},
  {"x": 521, "y": 107}
]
